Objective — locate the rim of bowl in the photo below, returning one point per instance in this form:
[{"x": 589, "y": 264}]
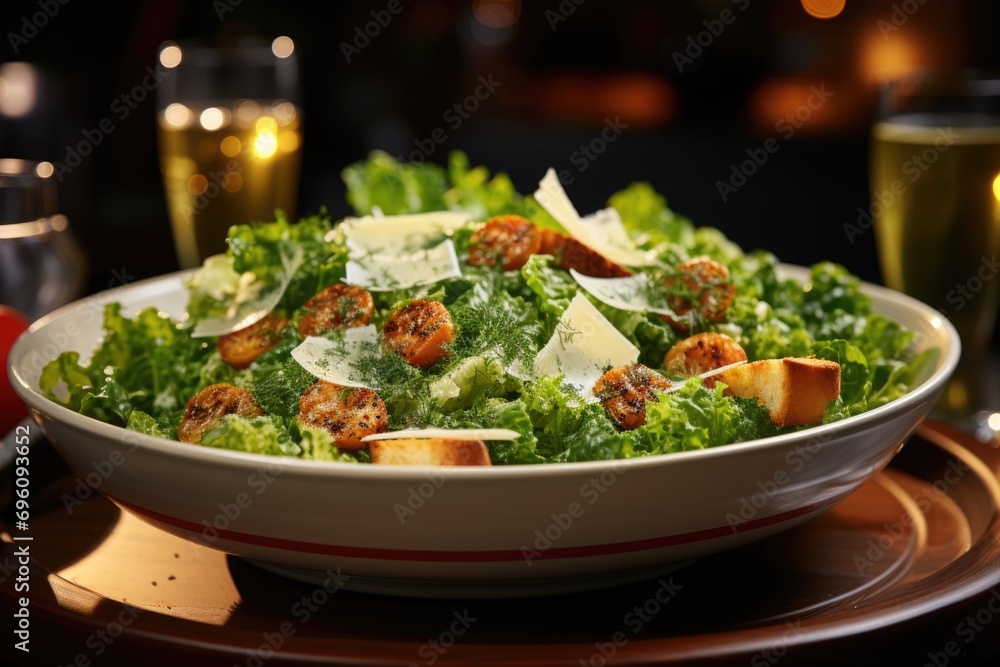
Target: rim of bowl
[{"x": 824, "y": 432}]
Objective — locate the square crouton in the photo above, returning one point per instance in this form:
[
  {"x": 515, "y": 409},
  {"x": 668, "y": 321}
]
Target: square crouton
[
  {"x": 430, "y": 451},
  {"x": 795, "y": 390}
]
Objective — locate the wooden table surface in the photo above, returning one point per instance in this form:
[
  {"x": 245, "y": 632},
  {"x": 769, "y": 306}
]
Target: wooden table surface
[{"x": 904, "y": 571}]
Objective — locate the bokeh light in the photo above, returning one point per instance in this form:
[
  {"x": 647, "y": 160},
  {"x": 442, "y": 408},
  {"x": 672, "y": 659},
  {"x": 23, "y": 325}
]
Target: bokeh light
[
  {"x": 496, "y": 13},
  {"x": 883, "y": 59},
  {"x": 283, "y": 47},
  {"x": 265, "y": 144},
  {"x": 212, "y": 118},
  {"x": 177, "y": 116},
  {"x": 18, "y": 89},
  {"x": 230, "y": 146},
  {"x": 171, "y": 56},
  {"x": 823, "y": 9}
]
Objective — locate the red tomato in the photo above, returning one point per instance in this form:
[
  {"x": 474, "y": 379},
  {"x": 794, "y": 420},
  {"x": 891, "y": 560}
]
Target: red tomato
[{"x": 12, "y": 409}]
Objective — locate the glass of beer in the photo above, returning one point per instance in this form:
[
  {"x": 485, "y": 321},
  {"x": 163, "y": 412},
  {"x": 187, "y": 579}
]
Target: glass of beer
[
  {"x": 229, "y": 136},
  {"x": 935, "y": 178}
]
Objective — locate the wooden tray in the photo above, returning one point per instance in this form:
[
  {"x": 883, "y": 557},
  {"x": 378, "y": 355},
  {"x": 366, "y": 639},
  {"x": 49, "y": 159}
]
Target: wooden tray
[{"x": 904, "y": 571}]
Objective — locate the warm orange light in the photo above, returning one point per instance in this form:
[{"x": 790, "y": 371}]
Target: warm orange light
[
  {"x": 288, "y": 141},
  {"x": 212, "y": 118},
  {"x": 823, "y": 9},
  {"x": 177, "y": 115},
  {"x": 231, "y": 146},
  {"x": 774, "y": 98},
  {"x": 283, "y": 46},
  {"x": 232, "y": 182},
  {"x": 171, "y": 56},
  {"x": 887, "y": 59},
  {"x": 496, "y": 13},
  {"x": 636, "y": 99},
  {"x": 18, "y": 89},
  {"x": 785, "y": 105},
  {"x": 197, "y": 184},
  {"x": 265, "y": 144},
  {"x": 996, "y": 187}
]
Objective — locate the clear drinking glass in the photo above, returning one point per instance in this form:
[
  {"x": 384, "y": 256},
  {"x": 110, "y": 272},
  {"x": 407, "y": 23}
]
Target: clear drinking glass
[
  {"x": 935, "y": 178},
  {"x": 42, "y": 266},
  {"x": 230, "y": 137}
]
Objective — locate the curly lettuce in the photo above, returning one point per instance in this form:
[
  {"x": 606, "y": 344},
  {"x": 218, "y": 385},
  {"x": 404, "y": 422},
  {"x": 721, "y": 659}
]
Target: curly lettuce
[{"x": 148, "y": 366}]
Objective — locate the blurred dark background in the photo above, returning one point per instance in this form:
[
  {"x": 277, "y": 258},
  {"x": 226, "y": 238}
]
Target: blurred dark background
[{"x": 690, "y": 103}]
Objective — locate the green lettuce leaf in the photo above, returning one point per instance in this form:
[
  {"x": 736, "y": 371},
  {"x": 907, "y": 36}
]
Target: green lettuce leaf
[
  {"x": 394, "y": 187},
  {"x": 472, "y": 190},
  {"x": 855, "y": 375},
  {"x": 696, "y": 417},
  {"x": 317, "y": 444},
  {"x": 257, "y": 435},
  {"x": 141, "y": 422}
]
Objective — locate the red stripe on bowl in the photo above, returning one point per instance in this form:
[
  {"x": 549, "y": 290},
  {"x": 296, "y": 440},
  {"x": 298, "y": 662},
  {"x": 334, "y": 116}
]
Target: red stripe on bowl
[{"x": 377, "y": 553}]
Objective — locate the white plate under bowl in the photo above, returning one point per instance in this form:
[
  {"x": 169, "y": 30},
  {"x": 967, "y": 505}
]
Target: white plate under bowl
[{"x": 536, "y": 529}]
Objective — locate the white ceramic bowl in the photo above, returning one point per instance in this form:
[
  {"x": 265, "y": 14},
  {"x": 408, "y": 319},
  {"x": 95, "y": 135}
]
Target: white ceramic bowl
[{"x": 499, "y": 531}]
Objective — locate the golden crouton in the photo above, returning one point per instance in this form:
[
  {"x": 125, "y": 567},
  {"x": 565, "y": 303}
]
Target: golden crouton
[
  {"x": 430, "y": 452},
  {"x": 795, "y": 390}
]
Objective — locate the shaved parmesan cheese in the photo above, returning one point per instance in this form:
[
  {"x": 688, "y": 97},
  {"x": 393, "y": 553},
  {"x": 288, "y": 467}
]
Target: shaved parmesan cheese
[
  {"x": 397, "y": 234},
  {"x": 602, "y": 231},
  {"x": 606, "y": 233},
  {"x": 336, "y": 360},
  {"x": 251, "y": 305},
  {"x": 553, "y": 198},
  {"x": 447, "y": 434},
  {"x": 583, "y": 345},
  {"x": 629, "y": 293},
  {"x": 384, "y": 272}
]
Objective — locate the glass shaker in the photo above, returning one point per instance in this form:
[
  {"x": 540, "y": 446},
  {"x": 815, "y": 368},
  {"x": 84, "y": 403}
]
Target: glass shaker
[{"x": 42, "y": 266}]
